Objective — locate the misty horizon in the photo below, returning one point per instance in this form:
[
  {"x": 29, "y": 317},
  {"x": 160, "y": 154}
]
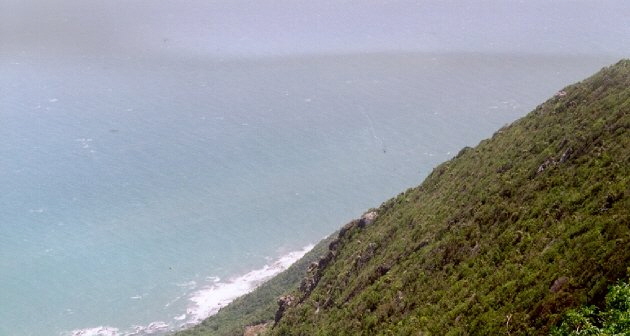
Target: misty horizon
[{"x": 245, "y": 28}]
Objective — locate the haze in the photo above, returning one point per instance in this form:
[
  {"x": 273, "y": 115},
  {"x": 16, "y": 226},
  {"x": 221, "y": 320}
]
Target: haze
[{"x": 246, "y": 28}]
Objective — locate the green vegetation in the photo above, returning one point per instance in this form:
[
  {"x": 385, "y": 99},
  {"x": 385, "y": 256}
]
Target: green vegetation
[
  {"x": 260, "y": 305},
  {"x": 614, "y": 320},
  {"x": 503, "y": 239}
]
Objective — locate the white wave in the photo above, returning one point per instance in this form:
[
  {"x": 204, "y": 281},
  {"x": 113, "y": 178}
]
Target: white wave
[
  {"x": 153, "y": 328},
  {"x": 98, "y": 331},
  {"x": 173, "y": 301},
  {"x": 190, "y": 284},
  {"x": 158, "y": 326},
  {"x": 205, "y": 302},
  {"x": 208, "y": 301}
]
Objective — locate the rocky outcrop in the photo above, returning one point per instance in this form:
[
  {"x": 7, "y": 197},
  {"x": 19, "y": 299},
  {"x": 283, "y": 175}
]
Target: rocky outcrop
[
  {"x": 366, "y": 219},
  {"x": 316, "y": 269},
  {"x": 559, "y": 284},
  {"x": 314, "y": 273},
  {"x": 552, "y": 161},
  {"x": 284, "y": 302},
  {"x": 364, "y": 257},
  {"x": 256, "y": 330}
]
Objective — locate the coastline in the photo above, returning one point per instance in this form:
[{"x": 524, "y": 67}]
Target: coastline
[
  {"x": 210, "y": 299},
  {"x": 203, "y": 302}
]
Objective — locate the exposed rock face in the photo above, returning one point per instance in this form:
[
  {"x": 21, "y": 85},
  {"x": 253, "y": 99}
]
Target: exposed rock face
[
  {"x": 284, "y": 302},
  {"x": 314, "y": 273},
  {"x": 363, "y": 258},
  {"x": 559, "y": 284},
  {"x": 256, "y": 330},
  {"x": 316, "y": 269},
  {"x": 368, "y": 218},
  {"x": 550, "y": 162},
  {"x": 347, "y": 228}
]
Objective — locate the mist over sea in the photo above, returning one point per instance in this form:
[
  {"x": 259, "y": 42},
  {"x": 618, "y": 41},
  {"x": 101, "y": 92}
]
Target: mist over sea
[
  {"x": 128, "y": 185},
  {"x": 159, "y": 158}
]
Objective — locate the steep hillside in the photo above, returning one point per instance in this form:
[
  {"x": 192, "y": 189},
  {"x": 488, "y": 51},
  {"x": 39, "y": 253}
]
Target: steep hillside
[
  {"x": 259, "y": 306},
  {"x": 500, "y": 240}
]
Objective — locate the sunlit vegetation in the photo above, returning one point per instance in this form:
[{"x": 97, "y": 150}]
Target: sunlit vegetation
[
  {"x": 511, "y": 237},
  {"x": 589, "y": 320},
  {"x": 501, "y": 240},
  {"x": 260, "y": 305}
]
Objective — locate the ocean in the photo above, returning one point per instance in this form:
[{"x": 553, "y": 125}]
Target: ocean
[{"x": 139, "y": 195}]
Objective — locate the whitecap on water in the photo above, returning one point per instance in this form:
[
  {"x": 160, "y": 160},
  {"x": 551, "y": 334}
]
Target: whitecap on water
[
  {"x": 204, "y": 302},
  {"x": 98, "y": 331},
  {"x": 208, "y": 301},
  {"x": 190, "y": 284}
]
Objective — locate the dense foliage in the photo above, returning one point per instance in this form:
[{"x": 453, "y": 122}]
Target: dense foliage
[
  {"x": 587, "y": 321},
  {"x": 258, "y": 306},
  {"x": 501, "y": 240}
]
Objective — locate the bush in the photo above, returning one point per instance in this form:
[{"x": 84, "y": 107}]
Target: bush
[{"x": 614, "y": 320}]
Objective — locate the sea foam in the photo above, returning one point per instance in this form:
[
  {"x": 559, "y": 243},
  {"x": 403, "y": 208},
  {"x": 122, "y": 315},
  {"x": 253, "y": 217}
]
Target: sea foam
[
  {"x": 98, "y": 331},
  {"x": 208, "y": 301},
  {"x": 204, "y": 302}
]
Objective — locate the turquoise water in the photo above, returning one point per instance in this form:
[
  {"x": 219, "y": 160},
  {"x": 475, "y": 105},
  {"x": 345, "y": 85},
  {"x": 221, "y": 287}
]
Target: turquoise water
[{"x": 130, "y": 184}]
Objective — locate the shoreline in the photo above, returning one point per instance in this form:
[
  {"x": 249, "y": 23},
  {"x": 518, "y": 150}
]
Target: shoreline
[
  {"x": 203, "y": 302},
  {"x": 209, "y": 300}
]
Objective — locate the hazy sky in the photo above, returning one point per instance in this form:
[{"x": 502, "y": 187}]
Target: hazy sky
[{"x": 262, "y": 27}]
